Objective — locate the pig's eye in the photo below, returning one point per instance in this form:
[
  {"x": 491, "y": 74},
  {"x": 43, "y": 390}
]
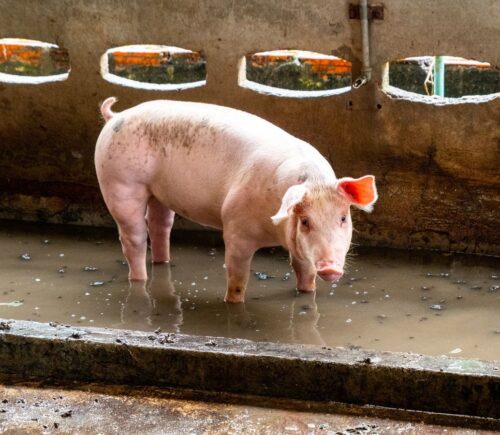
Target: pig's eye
[
  {"x": 304, "y": 222},
  {"x": 343, "y": 219}
]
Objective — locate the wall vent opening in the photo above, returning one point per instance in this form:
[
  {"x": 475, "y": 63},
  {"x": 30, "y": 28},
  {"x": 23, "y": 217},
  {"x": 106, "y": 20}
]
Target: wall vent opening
[
  {"x": 295, "y": 73},
  {"x": 25, "y": 61},
  {"x": 154, "y": 67},
  {"x": 442, "y": 80}
]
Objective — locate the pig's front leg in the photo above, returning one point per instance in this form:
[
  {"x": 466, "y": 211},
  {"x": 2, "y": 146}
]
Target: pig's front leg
[
  {"x": 238, "y": 259},
  {"x": 306, "y": 275}
]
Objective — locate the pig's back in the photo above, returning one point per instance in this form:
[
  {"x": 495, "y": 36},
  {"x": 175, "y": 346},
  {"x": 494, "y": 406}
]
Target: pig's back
[{"x": 191, "y": 154}]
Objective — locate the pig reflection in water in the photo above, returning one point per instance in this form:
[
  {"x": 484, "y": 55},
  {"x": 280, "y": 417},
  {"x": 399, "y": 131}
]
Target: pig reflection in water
[
  {"x": 298, "y": 325},
  {"x": 153, "y": 304}
]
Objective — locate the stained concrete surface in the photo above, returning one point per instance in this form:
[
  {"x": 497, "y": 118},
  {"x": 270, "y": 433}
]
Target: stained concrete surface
[
  {"x": 316, "y": 373},
  {"x": 37, "y": 409},
  {"x": 436, "y": 166}
]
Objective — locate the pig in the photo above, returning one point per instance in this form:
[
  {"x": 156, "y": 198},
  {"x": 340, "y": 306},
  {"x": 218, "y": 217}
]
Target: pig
[{"x": 226, "y": 169}]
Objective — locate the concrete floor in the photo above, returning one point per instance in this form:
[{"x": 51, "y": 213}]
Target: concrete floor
[{"x": 92, "y": 409}]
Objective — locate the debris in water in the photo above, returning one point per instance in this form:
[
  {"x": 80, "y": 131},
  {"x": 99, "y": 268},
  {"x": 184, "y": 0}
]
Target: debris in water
[
  {"x": 495, "y": 276},
  {"x": 212, "y": 252},
  {"x": 89, "y": 268},
  {"x": 348, "y": 321},
  {"x": 437, "y": 307},
  {"x": 286, "y": 277},
  {"x": 494, "y": 288},
  {"x": 381, "y": 317},
  {"x": 476, "y": 287},
  {"x": 424, "y": 298},
  {"x": 457, "y": 350},
  {"x": 460, "y": 281},
  {"x": 4, "y": 326},
  {"x": 62, "y": 269},
  {"x": 425, "y": 288},
  {"x": 263, "y": 276},
  {"x": 25, "y": 257},
  {"x": 13, "y": 304},
  {"x": 211, "y": 343},
  {"x": 96, "y": 283}
]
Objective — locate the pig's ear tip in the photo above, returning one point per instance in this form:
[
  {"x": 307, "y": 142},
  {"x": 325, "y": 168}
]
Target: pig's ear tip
[{"x": 277, "y": 219}]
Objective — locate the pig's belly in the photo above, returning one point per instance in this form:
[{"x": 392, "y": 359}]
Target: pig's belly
[{"x": 187, "y": 198}]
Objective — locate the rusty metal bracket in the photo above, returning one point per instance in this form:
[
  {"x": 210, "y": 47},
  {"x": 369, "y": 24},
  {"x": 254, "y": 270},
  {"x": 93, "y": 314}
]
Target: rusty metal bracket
[{"x": 375, "y": 12}]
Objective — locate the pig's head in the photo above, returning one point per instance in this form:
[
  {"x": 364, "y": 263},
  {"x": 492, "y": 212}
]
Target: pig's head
[{"x": 318, "y": 226}]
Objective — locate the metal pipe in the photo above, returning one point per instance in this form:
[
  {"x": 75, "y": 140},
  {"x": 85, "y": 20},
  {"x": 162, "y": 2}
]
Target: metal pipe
[
  {"x": 439, "y": 76},
  {"x": 366, "y": 69}
]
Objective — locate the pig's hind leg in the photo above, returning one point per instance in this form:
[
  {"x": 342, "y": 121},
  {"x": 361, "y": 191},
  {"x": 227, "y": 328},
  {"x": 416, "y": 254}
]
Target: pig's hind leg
[
  {"x": 160, "y": 220},
  {"x": 127, "y": 205}
]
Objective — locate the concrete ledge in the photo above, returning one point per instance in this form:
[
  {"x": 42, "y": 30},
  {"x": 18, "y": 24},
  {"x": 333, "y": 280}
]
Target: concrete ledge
[{"x": 397, "y": 380}]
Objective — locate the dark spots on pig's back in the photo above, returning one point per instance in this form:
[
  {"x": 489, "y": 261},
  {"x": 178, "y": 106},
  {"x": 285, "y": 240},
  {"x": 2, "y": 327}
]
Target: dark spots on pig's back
[
  {"x": 176, "y": 133},
  {"x": 117, "y": 124}
]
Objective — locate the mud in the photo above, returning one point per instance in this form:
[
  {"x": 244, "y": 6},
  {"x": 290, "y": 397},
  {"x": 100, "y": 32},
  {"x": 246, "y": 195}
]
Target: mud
[{"x": 416, "y": 301}]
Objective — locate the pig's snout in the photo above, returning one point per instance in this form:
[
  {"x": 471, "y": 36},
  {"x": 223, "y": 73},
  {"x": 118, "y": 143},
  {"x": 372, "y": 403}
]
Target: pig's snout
[{"x": 328, "y": 271}]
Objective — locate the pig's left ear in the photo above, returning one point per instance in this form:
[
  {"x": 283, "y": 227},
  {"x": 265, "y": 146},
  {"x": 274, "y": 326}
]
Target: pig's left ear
[
  {"x": 293, "y": 196},
  {"x": 360, "y": 191}
]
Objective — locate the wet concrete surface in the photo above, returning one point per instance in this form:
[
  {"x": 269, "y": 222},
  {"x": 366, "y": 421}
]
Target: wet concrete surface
[
  {"x": 57, "y": 352},
  {"x": 423, "y": 302},
  {"x": 92, "y": 409}
]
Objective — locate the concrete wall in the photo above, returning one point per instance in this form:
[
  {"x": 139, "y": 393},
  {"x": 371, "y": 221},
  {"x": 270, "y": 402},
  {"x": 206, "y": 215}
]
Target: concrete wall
[{"x": 437, "y": 166}]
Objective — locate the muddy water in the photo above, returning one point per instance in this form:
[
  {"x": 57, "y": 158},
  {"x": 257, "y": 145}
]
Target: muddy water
[{"x": 388, "y": 300}]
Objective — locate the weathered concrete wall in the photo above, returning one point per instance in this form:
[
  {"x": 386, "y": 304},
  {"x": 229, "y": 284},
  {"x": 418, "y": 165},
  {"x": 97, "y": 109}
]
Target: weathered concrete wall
[{"x": 437, "y": 166}]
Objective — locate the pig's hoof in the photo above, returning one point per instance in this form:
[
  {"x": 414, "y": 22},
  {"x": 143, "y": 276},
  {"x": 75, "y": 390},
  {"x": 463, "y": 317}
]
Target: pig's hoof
[
  {"x": 235, "y": 296},
  {"x": 306, "y": 290},
  {"x": 137, "y": 278}
]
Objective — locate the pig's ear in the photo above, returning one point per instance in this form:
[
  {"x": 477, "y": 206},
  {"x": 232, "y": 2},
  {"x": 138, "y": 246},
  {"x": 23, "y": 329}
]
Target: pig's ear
[
  {"x": 362, "y": 192},
  {"x": 293, "y": 196}
]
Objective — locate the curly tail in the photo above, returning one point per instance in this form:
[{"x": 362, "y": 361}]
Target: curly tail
[{"x": 107, "y": 114}]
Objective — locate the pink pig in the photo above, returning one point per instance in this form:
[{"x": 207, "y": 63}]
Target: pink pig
[{"x": 230, "y": 170}]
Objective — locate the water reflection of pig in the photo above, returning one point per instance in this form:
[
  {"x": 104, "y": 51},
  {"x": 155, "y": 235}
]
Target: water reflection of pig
[
  {"x": 153, "y": 304},
  {"x": 297, "y": 324}
]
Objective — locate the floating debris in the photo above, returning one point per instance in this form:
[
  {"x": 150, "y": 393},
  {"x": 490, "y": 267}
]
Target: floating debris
[
  {"x": 4, "y": 326},
  {"x": 46, "y": 242},
  {"x": 437, "y": 307},
  {"x": 457, "y": 350},
  {"x": 494, "y": 288},
  {"x": 13, "y": 304},
  {"x": 211, "y": 343},
  {"x": 348, "y": 321},
  {"x": 425, "y": 288},
  {"x": 263, "y": 276},
  {"x": 460, "y": 281},
  {"x": 286, "y": 276},
  {"x": 494, "y": 276},
  {"x": 96, "y": 283},
  {"x": 25, "y": 257},
  {"x": 476, "y": 287},
  {"x": 62, "y": 269},
  {"x": 381, "y": 317},
  {"x": 90, "y": 268},
  {"x": 212, "y": 252},
  {"x": 425, "y": 298}
]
